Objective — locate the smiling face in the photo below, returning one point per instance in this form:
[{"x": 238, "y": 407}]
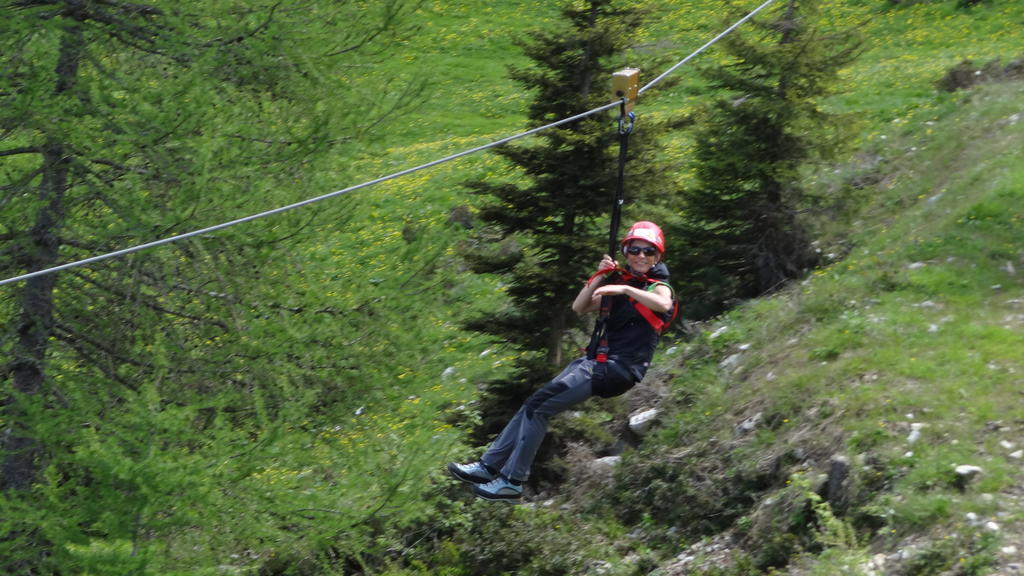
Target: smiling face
[{"x": 641, "y": 255}]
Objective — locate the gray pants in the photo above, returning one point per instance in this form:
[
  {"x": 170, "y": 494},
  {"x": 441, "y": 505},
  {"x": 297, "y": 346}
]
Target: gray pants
[{"x": 514, "y": 449}]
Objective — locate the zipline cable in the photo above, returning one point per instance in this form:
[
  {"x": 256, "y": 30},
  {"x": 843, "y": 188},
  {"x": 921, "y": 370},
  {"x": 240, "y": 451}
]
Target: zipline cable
[
  {"x": 392, "y": 176},
  {"x": 306, "y": 202},
  {"x": 711, "y": 42}
]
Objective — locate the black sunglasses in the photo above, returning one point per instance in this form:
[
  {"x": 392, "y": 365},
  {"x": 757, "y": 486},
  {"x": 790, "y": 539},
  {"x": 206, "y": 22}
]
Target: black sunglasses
[{"x": 648, "y": 250}]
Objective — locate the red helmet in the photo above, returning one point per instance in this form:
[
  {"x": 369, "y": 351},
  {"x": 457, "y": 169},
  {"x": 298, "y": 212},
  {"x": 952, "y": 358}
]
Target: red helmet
[{"x": 648, "y": 231}]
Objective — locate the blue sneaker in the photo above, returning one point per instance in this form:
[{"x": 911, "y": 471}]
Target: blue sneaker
[
  {"x": 474, "y": 473},
  {"x": 499, "y": 489}
]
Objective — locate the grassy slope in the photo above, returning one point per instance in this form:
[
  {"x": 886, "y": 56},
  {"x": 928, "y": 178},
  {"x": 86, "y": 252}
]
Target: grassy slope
[
  {"x": 920, "y": 326},
  {"x": 868, "y": 341}
]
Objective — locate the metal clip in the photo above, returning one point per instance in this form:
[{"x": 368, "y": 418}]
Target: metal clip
[{"x": 624, "y": 127}]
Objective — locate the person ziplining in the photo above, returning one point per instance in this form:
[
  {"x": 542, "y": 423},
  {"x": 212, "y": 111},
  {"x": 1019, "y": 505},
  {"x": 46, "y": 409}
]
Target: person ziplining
[{"x": 636, "y": 303}]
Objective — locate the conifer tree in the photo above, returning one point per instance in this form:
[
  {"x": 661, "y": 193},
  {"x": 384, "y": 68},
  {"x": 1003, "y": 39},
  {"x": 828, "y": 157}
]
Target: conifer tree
[
  {"x": 743, "y": 228},
  {"x": 558, "y": 213},
  {"x": 127, "y": 122}
]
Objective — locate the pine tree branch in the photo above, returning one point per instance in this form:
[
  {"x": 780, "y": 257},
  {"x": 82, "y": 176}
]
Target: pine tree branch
[
  {"x": 75, "y": 340},
  {"x": 270, "y": 305},
  {"x": 243, "y": 37},
  {"x": 32, "y": 3},
  {"x": 118, "y": 292},
  {"x": 134, "y": 9},
  {"x": 22, "y": 150},
  {"x": 13, "y": 189},
  {"x": 118, "y": 166}
]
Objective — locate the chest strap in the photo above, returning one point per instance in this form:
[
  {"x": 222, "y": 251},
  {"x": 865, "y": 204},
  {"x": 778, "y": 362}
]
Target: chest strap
[{"x": 655, "y": 321}]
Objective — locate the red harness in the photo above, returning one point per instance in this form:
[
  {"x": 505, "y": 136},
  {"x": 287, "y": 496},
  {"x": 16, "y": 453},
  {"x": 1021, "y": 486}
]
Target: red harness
[{"x": 652, "y": 318}]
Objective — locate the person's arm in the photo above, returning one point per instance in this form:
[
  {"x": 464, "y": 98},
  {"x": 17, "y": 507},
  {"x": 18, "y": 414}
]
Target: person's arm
[
  {"x": 658, "y": 300},
  {"x": 586, "y": 301}
]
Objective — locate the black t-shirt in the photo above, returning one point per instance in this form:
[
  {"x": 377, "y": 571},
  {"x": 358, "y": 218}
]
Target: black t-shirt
[{"x": 631, "y": 338}]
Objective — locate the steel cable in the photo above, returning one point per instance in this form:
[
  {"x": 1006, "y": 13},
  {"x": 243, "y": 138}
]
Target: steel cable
[{"x": 223, "y": 225}]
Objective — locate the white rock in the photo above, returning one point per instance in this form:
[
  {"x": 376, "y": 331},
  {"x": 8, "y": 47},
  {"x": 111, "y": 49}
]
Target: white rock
[
  {"x": 1017, "y": 455},
  {"x": 731, "y": 363},
  {"x": 606, "y": 464},
  {"x": 448, "y": 372},
  {"x": 641, "y": 422},
  {"x": 968, "y": 470},
  {"x": 749, "y": 425},
  {"x": 685, "y": 558},
  {"x": 915, "y": 432},
  {"x": 992, "y": 526}
]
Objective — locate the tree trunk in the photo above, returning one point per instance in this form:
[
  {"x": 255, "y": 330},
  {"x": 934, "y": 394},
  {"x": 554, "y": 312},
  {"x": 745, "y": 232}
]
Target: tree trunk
[{"x": 36, "y": 317}]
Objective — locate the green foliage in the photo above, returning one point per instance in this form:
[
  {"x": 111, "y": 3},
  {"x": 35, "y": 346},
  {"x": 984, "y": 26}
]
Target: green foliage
[
  {"x": 234, "y": 398},
  {"x": 699, "y": 490},
  {"x": 833, "y": 532},
  {"x": 961, "y": 555},
  {"x": 766, "y": 123},
  {"x": 527, "y": 540},
  {"x": 276, "y": 398}
]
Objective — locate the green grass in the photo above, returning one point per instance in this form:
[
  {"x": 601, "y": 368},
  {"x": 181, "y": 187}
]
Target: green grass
[{"x": 920, "y": 324}]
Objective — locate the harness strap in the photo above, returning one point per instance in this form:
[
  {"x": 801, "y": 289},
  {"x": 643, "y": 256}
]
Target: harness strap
[
  {"x": 606, "y": 271},
  {"x": 653, "y": 319},
  {"x": 600, "y": 334},
  {"x": 656, "y": 322}
]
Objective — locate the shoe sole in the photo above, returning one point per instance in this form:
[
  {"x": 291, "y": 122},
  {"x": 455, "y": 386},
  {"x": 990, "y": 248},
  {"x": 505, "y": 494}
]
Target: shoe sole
[
  {"x": 511, "y": 498},
  {"x": 459, "y": 475}
]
